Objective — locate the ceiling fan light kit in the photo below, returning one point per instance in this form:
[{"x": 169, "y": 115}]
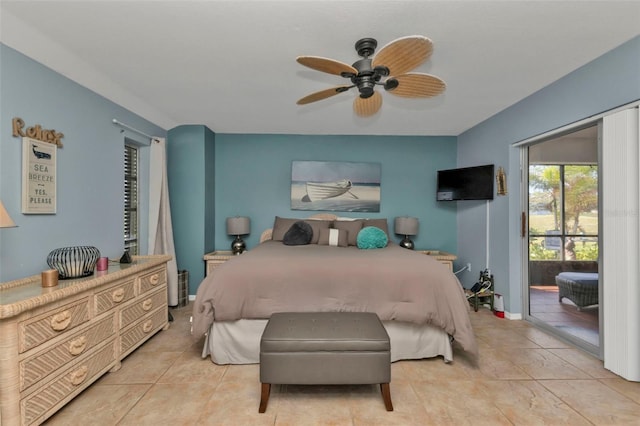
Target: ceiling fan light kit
[{"x": 390, "y": 68}]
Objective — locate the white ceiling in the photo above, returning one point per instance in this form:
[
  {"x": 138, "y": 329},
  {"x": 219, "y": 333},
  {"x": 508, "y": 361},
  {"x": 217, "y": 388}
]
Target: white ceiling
[{"x": 230, "y": 65}]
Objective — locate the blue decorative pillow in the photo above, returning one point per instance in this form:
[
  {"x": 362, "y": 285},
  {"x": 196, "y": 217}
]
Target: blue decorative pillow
[{"x": 371, "y": 237}]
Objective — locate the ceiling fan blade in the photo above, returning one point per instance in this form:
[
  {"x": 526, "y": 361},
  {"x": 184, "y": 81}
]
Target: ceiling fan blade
[
  {"x": 323, "y": 94},
  {"x": 403, "y": 54},
  {"x": 366, "y": 107},
  {"x": 327, "y": 65},
  {"x": 417, "y": 85}
]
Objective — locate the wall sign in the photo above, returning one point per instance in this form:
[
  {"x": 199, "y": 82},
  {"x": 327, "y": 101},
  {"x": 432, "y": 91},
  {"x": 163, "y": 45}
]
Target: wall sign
[
  {"x": 38, "y": 177},
  {"x": 36, "y": 132}
]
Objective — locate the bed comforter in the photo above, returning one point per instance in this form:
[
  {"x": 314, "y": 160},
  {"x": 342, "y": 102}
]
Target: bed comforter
[{"x": 395, "y": 283}]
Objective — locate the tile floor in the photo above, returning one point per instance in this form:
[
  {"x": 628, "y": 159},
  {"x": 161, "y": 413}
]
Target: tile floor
[{"x": 523, "y": 376}]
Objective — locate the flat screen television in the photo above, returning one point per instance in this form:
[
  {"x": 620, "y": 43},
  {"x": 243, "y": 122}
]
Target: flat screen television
[{"x": 468, "y": 183}]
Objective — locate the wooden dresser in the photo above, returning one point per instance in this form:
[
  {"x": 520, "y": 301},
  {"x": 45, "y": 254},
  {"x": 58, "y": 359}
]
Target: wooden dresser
[{"x": 56, "y": 341}]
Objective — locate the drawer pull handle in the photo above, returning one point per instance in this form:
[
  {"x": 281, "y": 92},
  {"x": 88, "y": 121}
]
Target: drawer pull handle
[
  {"x": 147, "y": 326},
  {"x": 147, "y": 305},
  {"x": 77, "y": 346},
  {"x": 154, "y": 279},
  {"x": 118, "y": 295},
  {"x": 61, "y": 321},
  {"x": 78, "y": 376}
]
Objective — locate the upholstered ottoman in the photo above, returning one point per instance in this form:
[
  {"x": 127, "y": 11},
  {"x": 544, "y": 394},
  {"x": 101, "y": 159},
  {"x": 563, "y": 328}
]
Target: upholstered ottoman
[{"x": 325, "y": 348}]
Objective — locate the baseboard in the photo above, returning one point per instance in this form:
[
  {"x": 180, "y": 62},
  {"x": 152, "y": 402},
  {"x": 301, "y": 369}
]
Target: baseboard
[{"x": 512, "y": 316}]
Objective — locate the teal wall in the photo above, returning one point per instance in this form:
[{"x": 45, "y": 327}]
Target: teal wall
[
  {"x": 190, "y": 168},
  {"x": 253, "y": 175},
  {"x": 609, "y": 81},
  {"x": 89, "y": 167}
]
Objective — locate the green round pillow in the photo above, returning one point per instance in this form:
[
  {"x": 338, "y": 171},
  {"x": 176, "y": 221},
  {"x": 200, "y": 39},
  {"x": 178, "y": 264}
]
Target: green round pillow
[{"x": 371, "y": 237}]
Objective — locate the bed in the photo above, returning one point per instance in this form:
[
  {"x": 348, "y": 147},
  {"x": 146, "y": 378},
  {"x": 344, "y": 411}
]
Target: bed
[{"x": 420, "y": 302}]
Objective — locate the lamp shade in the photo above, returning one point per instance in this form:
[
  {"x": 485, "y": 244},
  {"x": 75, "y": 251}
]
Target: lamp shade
[
  {"x": 5, "y": 219},
  {"x": 405, "y": 225},
  {"x": 239, "y": 225}
]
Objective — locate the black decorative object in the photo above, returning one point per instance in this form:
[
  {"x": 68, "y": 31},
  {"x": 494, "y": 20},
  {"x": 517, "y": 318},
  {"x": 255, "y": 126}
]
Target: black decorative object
[
  {"x": 74, "y": 262},
  {"x": 126, "y": 257}
]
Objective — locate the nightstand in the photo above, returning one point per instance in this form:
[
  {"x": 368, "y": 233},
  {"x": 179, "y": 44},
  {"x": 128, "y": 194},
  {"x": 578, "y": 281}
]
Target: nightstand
[
  {"x": 441, "y": 256},
  {"x": 217, "y": 258}
]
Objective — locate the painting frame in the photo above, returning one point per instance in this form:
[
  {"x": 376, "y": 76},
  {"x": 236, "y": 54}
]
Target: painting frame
[
  {"x": 341, "y": 186},
  {"x": 39, "y": 177}
]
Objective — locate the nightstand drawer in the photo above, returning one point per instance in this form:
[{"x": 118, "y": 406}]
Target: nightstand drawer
[
  {"x": 71, "y": 382},
  {"x": 114, "y": 296},
  {"x": 142, "y": 330},
  {"x": 152, "y": 280},
  {"x": 38, "y": 367},
  {"x": 141, "y": 307},
  {"x": 216, "y": 258},
  {"x": 41, "y": 328}
]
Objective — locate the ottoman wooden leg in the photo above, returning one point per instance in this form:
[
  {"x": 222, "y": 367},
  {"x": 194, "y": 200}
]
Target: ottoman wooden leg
[
  {"x": 264, "y": 397},
  {"x": 386, "y": 396}
]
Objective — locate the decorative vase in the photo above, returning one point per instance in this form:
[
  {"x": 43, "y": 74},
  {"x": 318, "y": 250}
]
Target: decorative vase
[{"x": 74, "y": 262}]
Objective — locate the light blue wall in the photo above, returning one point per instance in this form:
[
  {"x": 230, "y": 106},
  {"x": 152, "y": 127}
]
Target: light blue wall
[
  {"x": 605, "y": 83},
  {"x": 253, "y": 178},
  {"x": 89, "y": 166},
  {"x": 190, "y": 168}
]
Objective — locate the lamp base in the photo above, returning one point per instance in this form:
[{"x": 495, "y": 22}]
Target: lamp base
[
  {"x": 238, "y": 246},
  {"x": 406, "y": 243}
]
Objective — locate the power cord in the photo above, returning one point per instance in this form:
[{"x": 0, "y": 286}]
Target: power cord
[{"x": 464, "y": 268}]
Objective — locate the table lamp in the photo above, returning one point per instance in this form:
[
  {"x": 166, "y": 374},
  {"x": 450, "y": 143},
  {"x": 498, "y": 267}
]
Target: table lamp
[
  {"x": 406, "y": 226},
  {"x": 5, "y": 219},
  {"x": 238, "y": 225}
]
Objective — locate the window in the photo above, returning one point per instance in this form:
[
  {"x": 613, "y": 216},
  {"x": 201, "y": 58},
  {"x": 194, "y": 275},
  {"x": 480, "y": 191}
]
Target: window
[
  {"x": 131, "y": 199},
  {"x": 563, "y": 212}
]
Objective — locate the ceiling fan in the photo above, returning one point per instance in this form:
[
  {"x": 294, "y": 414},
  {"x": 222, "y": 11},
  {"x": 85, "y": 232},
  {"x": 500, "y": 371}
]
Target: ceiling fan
[{"x": 389, "y": 68}]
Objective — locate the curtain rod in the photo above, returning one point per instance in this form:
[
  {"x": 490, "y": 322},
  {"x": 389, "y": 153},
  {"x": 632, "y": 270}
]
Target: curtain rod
[{"x": 133, "y": 129}]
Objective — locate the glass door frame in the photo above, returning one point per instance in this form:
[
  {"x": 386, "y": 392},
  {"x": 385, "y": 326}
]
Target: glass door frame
[{"x": 597, "y": 351}]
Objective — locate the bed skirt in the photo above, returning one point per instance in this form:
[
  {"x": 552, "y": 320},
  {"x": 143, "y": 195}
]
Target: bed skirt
[{"x": 238, "y": 342}]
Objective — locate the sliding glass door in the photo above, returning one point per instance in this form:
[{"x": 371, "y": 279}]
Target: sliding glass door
[{"x": 563, "y": 236}]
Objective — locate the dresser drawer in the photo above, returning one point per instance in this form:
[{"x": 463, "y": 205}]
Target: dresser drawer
[
  {"x": 142, "y": 306},
  {"x": 154, "y": 279},
  {"x": 114, "y": 296},
  {"x": 41, "y": 365},
  {"x": 71, "y": 382},
  {"x": 41, "y": 328},
  {"x": 142, "y": 330}
]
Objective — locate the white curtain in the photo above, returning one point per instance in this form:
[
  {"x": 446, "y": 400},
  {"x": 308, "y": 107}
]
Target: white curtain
[
  {"x": 620, "y": 272},
  {"x": 160, "y": 229}
]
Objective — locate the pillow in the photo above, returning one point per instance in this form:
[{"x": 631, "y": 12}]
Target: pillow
[
  {"x": 352, "y": 227},
  {"x": 317, "y": 225},
  {"x": 280, "y": 227},
  {"x": 372, "y": 237},
  {"x": 299, "y": 234},
  {"x": 378, "y": 223},
  {"x": 333, "y": 237}
]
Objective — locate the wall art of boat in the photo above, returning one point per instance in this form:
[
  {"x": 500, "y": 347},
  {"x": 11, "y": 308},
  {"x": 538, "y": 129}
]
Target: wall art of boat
[
  {"x": 323, "y": 190},
  {"x": 39, "y": 154}
]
